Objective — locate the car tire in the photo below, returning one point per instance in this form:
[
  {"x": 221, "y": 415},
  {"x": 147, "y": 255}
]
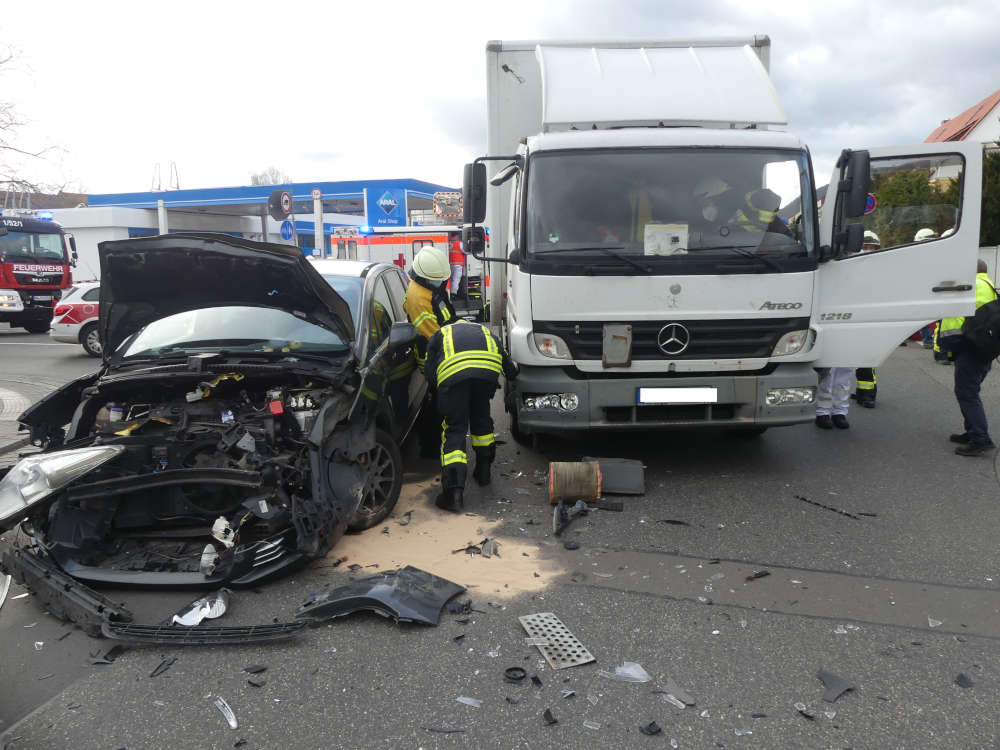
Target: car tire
[
  {"x": 384, "y": 480},
  {"x": 36, "y": 326},
  {"x": 90, "y": 340}
]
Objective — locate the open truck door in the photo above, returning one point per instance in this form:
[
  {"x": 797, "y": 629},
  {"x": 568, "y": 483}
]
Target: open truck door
[{"x": 866, "y": 303}]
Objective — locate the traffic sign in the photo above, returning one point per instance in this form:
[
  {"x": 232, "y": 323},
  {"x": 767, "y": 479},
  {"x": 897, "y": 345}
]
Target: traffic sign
[
  {"x": 286, "y": 230},
  {"x": 317, "y": 194},
  {"x": 870, "y": 203}
]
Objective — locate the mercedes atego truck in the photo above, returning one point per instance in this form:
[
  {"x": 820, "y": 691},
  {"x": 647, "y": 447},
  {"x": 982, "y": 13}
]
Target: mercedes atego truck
[{"x": 659, "y": 252}]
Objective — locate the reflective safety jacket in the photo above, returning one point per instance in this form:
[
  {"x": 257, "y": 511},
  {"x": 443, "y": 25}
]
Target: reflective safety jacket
[
  {"x": 950, "y": 328},
  {"x": 466, "y": 351},
  {"x": 428, "y": 309}
]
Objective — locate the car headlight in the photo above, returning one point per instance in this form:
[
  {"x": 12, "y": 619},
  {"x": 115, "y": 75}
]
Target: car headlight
[
  {"x": 552, "y": 346},
  {"x": 36, "y": 477},
  {"x": 791, "y": 343}
]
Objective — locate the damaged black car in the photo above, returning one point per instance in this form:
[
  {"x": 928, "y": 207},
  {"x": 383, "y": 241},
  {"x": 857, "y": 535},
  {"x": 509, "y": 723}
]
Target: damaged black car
[{"x": 245, "y": 417}]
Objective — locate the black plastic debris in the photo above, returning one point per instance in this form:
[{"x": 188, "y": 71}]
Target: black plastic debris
[
  {"x": 163, "y": 666},
  {"x": 827, "y": 507},
  {"x": 458, "y": 638},
  {"x": 460, "y": 608},
  {"x": 443, "y": 730},
  {"x": 758, "y": 716},
  {"x": 385, "y": 530},
  {"x": 651, "y": 729},
  {"x": 673, "y": 522},
  {"x": 240, "y": 742},
  {"x": 202, "y": 635},
  {"x": 605, "y": 504},
  {"x": 562, "y": 515},
  {"x": 512, "y": 701},
  {"x": 108, "y": 657},
  {"x": 404, "y": 520},
  {"x": 963, "y": 681},
  {"x": 571, "y": 544},
  {"x": 835, "y": 686},
  {"x": 514, "y": 675},
  {"x": 408, "y": 595},
  {"x": 549, "y": 718},
  {"x": 256, "y": 683},
  {"x": 621, "y": 476},
  {"x": 463, "y": 620},
  {"x": 255, "y": 668},
  {"x": 536, "y": 680},
  {"x": 758, "y": 574}
]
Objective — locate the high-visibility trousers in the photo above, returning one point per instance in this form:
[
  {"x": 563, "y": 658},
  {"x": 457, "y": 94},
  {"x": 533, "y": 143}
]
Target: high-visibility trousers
[{"x": 465, "y": 406}]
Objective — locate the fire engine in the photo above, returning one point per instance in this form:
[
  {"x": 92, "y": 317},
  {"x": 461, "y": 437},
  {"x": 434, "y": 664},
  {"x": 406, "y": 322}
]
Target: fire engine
[{"x": 36, "y": 256}]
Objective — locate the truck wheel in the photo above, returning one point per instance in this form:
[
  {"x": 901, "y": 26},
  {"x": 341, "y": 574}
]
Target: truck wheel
[
  {"x": 36, "y": 326},
  {"x": 383, "y": 466},
  {"x": 90, "y": 339}
]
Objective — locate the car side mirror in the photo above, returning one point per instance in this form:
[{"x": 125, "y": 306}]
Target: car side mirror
[
  {"x": 401, "y": 334},
  {"x": 856, "y": 182},
  {"x": 474, "y": 193}
]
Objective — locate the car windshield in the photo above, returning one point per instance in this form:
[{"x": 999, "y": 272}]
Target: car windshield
[
  {"x": 349, "y": 288},
  {"x": 231, "y": 329},
  {"x": 667, "y": 207},
  {"x": 31, "y": 247}
]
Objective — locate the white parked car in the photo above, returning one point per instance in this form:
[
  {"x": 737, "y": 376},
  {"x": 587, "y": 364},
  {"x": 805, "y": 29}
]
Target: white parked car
[{"x": 74, "y": 319}]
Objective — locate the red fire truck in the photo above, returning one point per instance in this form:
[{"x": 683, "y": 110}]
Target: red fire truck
[{"x": 35, "y": 260}]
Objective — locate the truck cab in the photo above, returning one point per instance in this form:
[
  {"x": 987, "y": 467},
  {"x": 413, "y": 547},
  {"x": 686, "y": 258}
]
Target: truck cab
[
  {"x": 662, "y": 257},
  {"x": 36, "y": 258}
]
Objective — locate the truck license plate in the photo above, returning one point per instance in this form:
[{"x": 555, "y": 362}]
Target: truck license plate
[
  {"x": 42, "y": 298},
  {"x": 678, "y": 396}
]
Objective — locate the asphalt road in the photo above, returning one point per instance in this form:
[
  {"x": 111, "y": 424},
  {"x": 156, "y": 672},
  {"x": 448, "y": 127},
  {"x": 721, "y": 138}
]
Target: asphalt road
[{"x": 859, "y": 596}]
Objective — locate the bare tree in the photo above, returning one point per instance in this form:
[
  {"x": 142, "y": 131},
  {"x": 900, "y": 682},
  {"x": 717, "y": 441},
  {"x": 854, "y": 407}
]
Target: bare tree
[
  {"x": 270, "y": 176},
  {"x": 12, "y": 153}
]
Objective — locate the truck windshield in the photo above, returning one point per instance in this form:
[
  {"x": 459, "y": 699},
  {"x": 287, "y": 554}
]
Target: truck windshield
[
  {"x": 31, "y": 247},
  {"x": 670, "y": 208}
]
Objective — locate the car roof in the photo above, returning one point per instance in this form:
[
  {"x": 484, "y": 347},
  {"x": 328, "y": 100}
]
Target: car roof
[{"x": 336, "y": 267}]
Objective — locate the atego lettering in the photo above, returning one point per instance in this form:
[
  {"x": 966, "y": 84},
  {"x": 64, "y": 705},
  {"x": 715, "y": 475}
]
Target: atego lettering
[
  {"x": 32, "y": 268},
  {"x": 780, "y": 306}
]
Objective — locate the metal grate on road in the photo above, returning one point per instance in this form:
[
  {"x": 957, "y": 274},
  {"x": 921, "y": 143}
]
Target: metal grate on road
[{"x": 564, "y": 649}]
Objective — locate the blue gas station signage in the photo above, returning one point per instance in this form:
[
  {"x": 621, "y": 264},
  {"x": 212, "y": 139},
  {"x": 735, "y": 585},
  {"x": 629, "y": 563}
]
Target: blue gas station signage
[{"x": 386, "y": 207}]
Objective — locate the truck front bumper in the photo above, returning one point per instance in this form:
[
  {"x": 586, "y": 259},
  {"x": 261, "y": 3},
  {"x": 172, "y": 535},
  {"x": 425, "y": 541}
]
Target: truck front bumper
[{"x": 612, "y": 402}]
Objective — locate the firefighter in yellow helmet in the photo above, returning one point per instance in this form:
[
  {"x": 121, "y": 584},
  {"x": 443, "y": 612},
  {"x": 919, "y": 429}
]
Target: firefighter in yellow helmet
[
  {"x": 867, "y": 381},
  {"x": 464, "y": 362},
  {"x": 428, "y": 307}
]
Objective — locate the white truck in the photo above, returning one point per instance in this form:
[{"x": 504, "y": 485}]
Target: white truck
[{"x": 657, "y": 252}]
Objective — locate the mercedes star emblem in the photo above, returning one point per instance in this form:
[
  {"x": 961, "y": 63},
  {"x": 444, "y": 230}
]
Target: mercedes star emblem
[{"x": 673, "y": 338}]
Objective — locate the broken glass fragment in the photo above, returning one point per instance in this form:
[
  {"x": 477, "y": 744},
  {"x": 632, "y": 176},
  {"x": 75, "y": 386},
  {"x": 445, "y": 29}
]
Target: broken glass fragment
[
  {"x": 592, "y": 724},
  {"x": 840, "y": 630},
  {"x": 227, "y": 712},
  {"x": 39, "y": 645},
  {"x": 831, "y": 715},
  {"x": 743, "y": 732},
  {"x": 673, "y": 743},
  {"x": 673, "y": 701},
  {"x": 932, "y": 623},
  {"x": 475, "y": 703},
  {"x": 629, "y": 671},
  {"x": 705, "y": 714}
]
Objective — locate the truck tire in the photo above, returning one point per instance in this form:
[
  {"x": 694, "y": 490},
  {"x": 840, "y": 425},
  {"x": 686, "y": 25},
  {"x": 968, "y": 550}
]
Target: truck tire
[
  {"x": 90, "y": 340},
  {"x": 36, "y": 326}
]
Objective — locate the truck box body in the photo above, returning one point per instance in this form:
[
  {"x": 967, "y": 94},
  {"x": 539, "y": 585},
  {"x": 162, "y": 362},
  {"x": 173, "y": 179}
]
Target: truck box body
[{"x": 670, "y": 266}]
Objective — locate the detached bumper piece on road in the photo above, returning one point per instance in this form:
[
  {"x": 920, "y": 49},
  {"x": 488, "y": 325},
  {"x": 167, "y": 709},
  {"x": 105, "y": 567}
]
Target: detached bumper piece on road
[
  {"x": 410, "y": 595},
  {"x": 98, "y": 616}
]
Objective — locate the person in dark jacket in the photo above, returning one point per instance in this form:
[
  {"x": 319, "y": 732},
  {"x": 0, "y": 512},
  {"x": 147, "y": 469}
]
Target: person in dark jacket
[{"x": 464, "y": 363}]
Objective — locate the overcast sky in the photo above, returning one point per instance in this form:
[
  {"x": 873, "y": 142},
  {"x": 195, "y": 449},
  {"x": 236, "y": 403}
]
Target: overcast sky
[{"x": 389, "y": 89}]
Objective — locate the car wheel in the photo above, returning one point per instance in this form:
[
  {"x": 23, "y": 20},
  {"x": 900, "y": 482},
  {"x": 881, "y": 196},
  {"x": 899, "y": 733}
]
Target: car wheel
[
  {"x": 36, "y": 326},
  {"x": 383, "y": 466},
  {"x": 90, "y": 338}
]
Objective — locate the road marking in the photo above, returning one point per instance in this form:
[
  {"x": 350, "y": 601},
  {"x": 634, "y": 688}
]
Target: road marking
[{"x": 12, "y": 404}]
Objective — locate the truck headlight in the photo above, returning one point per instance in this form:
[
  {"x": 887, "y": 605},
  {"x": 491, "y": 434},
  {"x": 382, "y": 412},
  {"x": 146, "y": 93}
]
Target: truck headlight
[
  {"x": 788, "y": 396},
  {"x": 10, "y": 300},
  {"x": 552, "y": 346},
  {"x": 36, "y": 477},
  {"x": 791, "y": 343},
  {"x": 559, "y": 401}
]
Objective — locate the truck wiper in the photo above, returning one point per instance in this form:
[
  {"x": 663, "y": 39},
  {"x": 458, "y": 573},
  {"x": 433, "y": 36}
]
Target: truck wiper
[
  {"x": 607, "y": 250},
  {"x": 746, "y": 253}
]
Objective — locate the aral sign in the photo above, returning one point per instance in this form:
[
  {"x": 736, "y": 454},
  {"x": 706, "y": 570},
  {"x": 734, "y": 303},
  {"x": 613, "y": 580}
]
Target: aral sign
[{"x": 385, "y": 207}]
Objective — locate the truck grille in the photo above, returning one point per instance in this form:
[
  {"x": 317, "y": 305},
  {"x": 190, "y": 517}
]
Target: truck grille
[
  {"x": 38, "y": 279},
  {"x": 741, "y": 338}
]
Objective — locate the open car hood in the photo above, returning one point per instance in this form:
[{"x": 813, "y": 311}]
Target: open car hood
[{"x": 148, "y": 278}]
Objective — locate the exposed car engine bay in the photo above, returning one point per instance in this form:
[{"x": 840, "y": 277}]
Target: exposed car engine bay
[{"x": 218, "y": 477}]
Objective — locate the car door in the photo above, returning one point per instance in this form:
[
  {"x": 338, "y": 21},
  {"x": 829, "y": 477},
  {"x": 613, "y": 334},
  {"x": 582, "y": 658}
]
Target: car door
[
  {"x": 866, "y": 304},
  {"x": 416, "y": 384}
]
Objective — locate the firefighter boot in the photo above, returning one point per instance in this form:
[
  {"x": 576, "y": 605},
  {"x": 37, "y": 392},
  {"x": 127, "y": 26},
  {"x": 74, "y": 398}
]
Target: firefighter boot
[
  {"x": 484, "y": 461},
  {"x": 451, "y": 500}
]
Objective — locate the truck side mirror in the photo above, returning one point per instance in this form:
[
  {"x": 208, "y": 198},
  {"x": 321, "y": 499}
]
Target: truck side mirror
[
  {"x": 848, "y": 242},
  {"x": 856, "y": 182},
  {"x": 73, "y": 257},
  {"x": 474, "y": 240},
  {"x": 474, "y": 193}
]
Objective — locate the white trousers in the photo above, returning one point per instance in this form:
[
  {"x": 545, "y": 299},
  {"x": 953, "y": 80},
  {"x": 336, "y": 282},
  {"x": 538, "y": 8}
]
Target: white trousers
[
  {"x": 834, "y": 393},
  {"x": 456, "y": 278}
]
